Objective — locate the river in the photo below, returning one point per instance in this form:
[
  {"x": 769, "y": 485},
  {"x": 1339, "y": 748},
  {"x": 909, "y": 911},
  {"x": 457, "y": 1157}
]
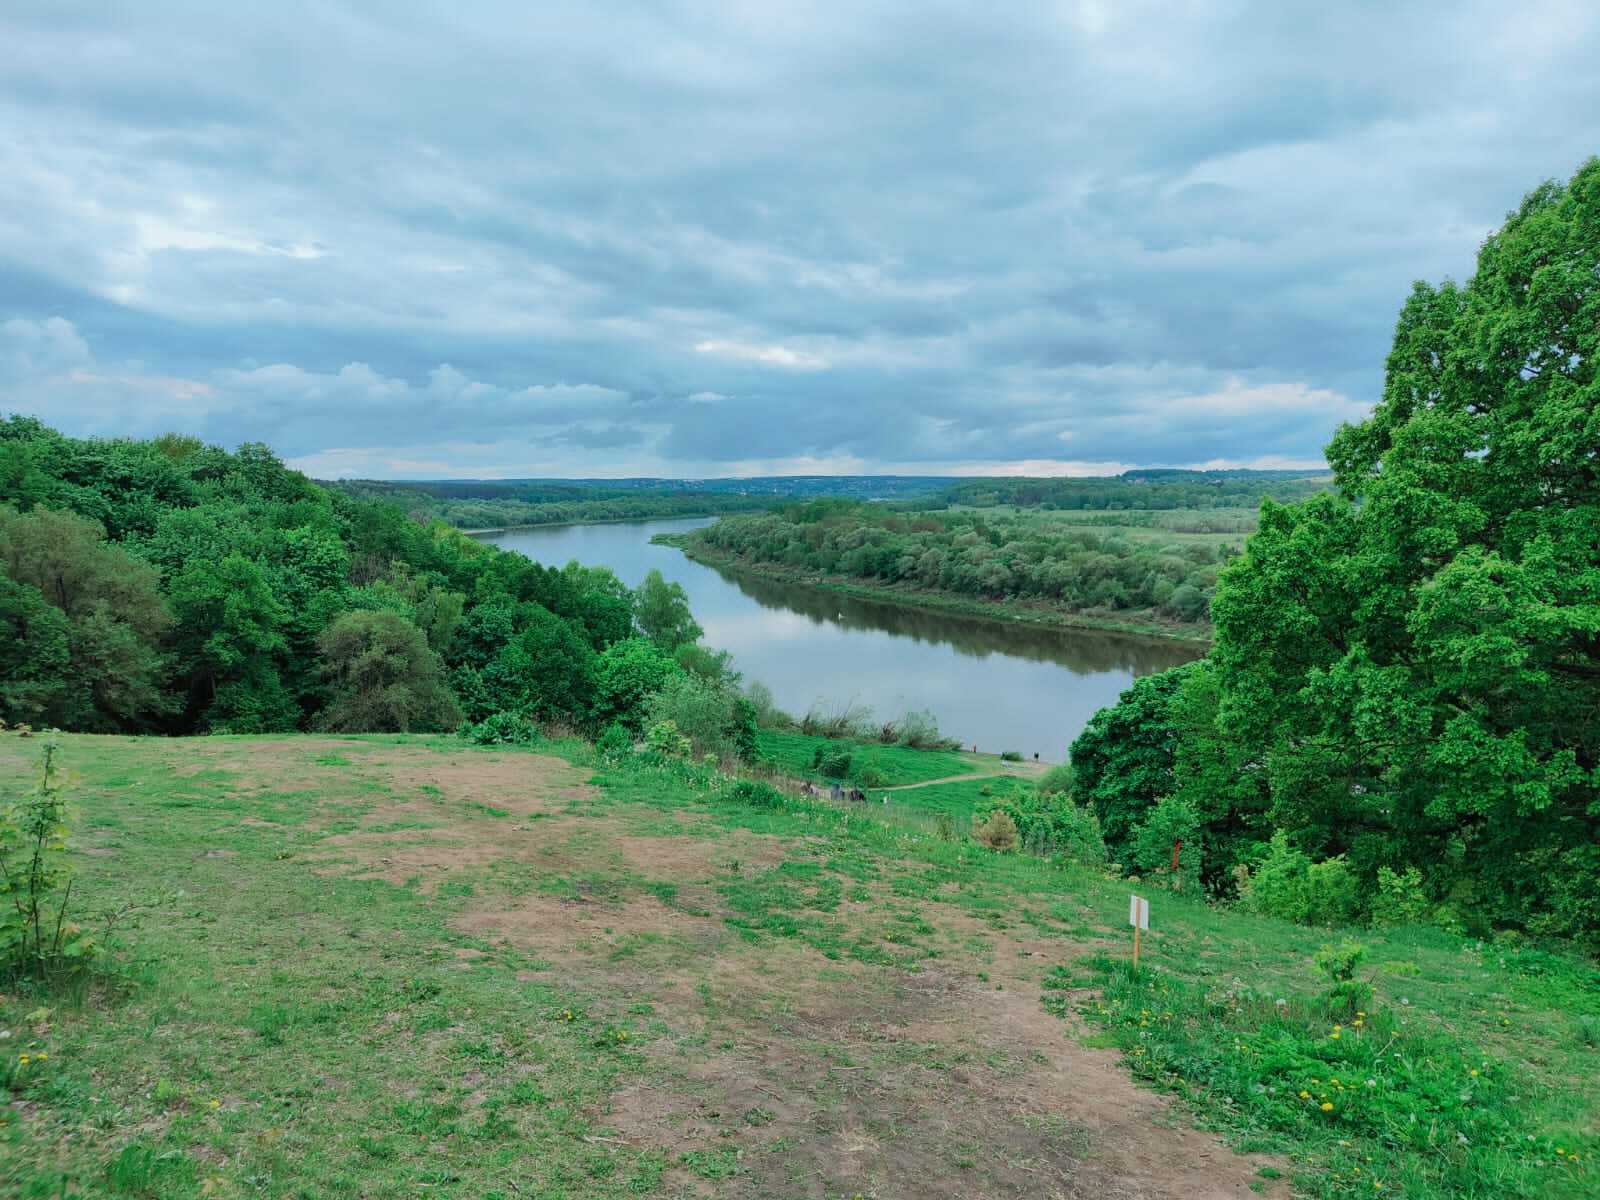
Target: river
[{"x": 999, "y": 686}]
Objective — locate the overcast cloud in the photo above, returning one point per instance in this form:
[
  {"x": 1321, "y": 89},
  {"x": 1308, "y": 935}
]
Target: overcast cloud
[{"x": 689, "y": 239}]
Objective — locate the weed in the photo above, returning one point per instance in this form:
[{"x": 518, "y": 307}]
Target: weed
[
  {"x": 998, "y": 832},
  {"x": 36, "y": 938}
]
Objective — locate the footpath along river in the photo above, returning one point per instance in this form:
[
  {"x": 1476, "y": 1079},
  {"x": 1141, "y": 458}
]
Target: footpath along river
[{"x": 1003, "y": 687}]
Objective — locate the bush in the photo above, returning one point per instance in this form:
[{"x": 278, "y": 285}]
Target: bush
[
  {"x": 1288, "y": 885},
  {"x": 853, "y": 720},
  {"x": 768, "y": 714},
  {"x": 757, "y": 794},
  {"x": 1057, "y": 781},
  {"x": 36, "y": 938},
  {"x": 502, "y": 729},
  {"x": 1053, "y": 824},
  {"x": 627, "y": 674},
  {"x": 615, "y": 743},
  {"x": 1171, "y": 820},
  {"x": 1399, "y": 899},
  {"x": 1346, "y": 995},
  {"x": 833, "y": 762},
  {"x": 1011, "y": 756},
  {"x": 663, "y": 738},
  {"x": 1333, "y": 893},
  {"x": 871, "y": 777},
  {"x": 383, "y": 676},
  {"x": 919, "y": 730},
  {"x": 998, "y": 832},
  {"x": 714, "y": 717}
]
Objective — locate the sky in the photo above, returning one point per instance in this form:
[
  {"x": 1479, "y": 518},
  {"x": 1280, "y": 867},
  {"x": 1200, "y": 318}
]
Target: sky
[{"x": 691, "y": 239}]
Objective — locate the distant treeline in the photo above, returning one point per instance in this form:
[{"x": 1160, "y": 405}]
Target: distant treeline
[
  {"x": 498, "y": 503},
  {"x": 1142, "y": 489},
  {"x": 545, "y": 503},
  {"x": 996, "y": 557}
]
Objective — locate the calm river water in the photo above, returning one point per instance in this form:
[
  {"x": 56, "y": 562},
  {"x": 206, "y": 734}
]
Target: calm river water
[{"x": 1003, "y": 687}]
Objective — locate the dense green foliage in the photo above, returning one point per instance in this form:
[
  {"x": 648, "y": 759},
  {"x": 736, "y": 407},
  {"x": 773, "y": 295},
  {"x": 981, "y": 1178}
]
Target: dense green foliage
[
  {"x": 1406, "y": 678},
  {"x": 996, "y": 556},
  {"x": 174, "y": 587}
]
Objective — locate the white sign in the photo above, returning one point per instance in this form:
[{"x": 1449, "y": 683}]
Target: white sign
[{"x": 1138, "y": 912}]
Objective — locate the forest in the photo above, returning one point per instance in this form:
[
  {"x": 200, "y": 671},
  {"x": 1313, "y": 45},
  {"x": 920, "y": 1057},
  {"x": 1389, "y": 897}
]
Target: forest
[
  {"x": 996, "y": 556},
  {"x": 170, "y": 587},
  {"x": 1399, "y": 720}
]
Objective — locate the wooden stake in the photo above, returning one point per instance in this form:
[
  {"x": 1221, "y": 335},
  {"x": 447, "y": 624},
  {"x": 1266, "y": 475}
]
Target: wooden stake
[{"x": 1135, "y": 945}]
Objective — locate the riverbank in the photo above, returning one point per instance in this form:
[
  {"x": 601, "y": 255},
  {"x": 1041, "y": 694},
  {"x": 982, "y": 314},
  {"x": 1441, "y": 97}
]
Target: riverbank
[{"x": 1011, "y": 612}]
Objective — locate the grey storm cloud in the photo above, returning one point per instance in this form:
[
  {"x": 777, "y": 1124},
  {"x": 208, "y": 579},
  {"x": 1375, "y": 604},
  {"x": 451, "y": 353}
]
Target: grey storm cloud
[{"x": 706, "y": 238}]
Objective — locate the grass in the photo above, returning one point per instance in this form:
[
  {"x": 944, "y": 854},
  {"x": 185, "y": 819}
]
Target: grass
[
  {"x": 357, "y": 978},
  {"x": 960, "y": 800},
  {"x": 793, "y": 753}
]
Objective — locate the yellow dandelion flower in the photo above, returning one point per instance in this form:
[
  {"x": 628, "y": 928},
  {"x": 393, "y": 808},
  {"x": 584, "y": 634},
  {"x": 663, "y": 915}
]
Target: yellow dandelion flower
[
  {"x": 1326, "y": 1107},
  {"x": 1334, "y": 1036},
  {"x": 1305, "y": 1095},
  {"x": 1473, "y": 1072}
]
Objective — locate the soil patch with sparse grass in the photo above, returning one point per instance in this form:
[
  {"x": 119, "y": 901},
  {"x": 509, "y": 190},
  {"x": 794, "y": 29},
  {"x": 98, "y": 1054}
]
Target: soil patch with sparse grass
[{"x": 388, "y": 966}]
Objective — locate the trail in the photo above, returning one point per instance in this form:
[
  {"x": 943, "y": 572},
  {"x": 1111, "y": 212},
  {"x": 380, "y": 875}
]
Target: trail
[{"x": 1022, "y": 770}]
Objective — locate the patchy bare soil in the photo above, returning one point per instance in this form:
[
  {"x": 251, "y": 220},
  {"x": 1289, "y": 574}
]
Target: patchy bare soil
[{"x": 826, "y": 1077}]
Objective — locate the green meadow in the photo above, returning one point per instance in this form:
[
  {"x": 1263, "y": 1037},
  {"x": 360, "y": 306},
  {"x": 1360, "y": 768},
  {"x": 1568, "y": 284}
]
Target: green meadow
[{"x": 386, "y": 966}]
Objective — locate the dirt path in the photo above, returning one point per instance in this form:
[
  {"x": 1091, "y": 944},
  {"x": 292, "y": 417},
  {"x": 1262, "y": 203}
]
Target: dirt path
[
  {"x": 1022, "y": 770},
  {"x": 813, "y": 1074}
]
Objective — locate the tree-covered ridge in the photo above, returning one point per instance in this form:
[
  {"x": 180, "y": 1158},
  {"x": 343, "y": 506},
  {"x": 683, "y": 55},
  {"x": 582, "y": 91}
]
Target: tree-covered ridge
[
  {"x": 1144, "y": 489},
  {"x": 1402, "y": 709},
  {"x": 170, "y": 586},
  {"x": 474, "y": 505},
  {"x": 990, "y": 556}
]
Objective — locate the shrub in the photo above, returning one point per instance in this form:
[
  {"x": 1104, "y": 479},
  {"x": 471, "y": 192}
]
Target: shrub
[
  {"x": 998, "y": 832},
  {"x": 758, "y": 794},
  {"x": 832, "y": 761},
  {"x": 663, "y": 738},
  {"x": 36, "y": 938},
  {"x": 1057, "y": 781},
  {"x": 1346, "y": 995},
  {"x": 1011, "y": 756},
  {"x": 615, "y": 743},
  {"x": 383, "y": 676},
  {"x": 1171, "y": 820},
  {"x": 768, "y": 714},
  {"x": 1399, "y": 899},
  {"x": 1288, "y": 885},
  {"x": 871, "y": 777},
  {"x": 1055, "y": 825},
  {"x": 627, "y": 674},
  {"x": 919, "y": 729},
  {"x": 714, "y": 717},
  {"x": 1277, "y": 888},
  {"x": 853, "y": 720},
  {"x": 1333, "y": 893},
  {"x": 502, "y": 729}
]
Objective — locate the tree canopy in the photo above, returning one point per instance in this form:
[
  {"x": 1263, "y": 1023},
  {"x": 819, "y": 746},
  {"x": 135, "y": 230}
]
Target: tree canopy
[{"x": 1407, "y": 672}]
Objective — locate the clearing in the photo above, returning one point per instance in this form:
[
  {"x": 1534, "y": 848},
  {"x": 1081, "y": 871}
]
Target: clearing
[{"x": 401, "y": 966}]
